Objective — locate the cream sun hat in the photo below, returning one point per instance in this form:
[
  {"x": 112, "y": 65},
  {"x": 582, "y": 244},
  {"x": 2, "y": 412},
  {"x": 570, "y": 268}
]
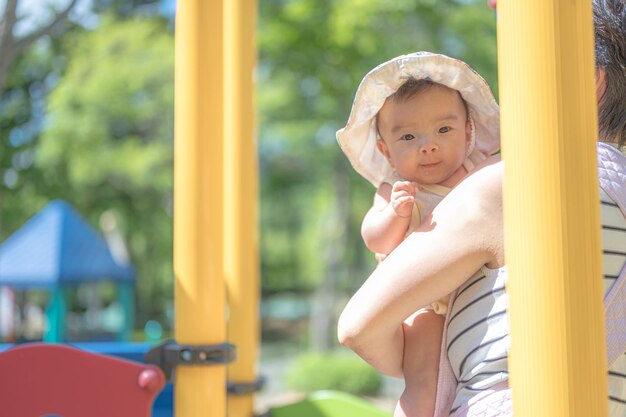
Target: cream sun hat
[{"x": 358, "y": 138}]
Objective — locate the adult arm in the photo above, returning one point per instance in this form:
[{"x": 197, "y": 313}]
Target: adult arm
[{"x": 464, "y": 232}]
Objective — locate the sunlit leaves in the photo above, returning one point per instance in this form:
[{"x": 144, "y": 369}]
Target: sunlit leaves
[{"x": 108, "y": 141}]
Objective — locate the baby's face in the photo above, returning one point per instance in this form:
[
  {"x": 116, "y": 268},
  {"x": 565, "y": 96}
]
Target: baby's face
[{"x": 426, "y": 137}]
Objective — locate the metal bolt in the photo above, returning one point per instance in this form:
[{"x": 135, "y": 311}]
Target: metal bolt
[
  {"x": 203, "y": 356},
  {"x": 185, "y": 355}
]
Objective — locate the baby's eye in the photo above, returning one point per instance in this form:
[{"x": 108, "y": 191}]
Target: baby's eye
[
  {"x": 445, "y": 129},
  {"x": 408, "y": 136}
]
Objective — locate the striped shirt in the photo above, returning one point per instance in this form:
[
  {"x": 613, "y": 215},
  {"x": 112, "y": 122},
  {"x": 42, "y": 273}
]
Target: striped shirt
[
  {"x": 478, "y": 329},
  {"x": 614, "y": 259},
  {"x": 478, "y": 334}
]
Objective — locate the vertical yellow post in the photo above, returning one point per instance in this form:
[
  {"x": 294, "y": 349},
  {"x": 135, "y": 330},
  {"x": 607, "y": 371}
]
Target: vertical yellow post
[
  {"x": 549, "y": 129},
  {"x": 198, "y": 203},
  {"x": 241, "y": 198}
]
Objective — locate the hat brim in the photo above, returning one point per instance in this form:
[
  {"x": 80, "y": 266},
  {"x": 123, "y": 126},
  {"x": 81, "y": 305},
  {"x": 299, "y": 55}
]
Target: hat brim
[{"x": 358, "y": 138}]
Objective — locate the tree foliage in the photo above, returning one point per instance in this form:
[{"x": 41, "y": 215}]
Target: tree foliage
[
  {"x": 108, "y": 142},
  {"x": 13, "y": 45}
]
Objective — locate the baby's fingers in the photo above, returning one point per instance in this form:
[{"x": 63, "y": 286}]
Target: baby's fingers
[
  {"x": 404, "y": 187},
  {"x": 403, "y": 205},
  {"x": 415, "y": 188},
  {"x": 401, "y": 186},
  {"x": 406, "y": 199}
]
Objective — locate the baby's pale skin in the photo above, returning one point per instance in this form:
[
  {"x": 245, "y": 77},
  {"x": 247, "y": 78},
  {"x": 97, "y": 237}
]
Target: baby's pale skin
[
  {"x": 425, "y": 267},
  {"x": 425, "y": 137}
]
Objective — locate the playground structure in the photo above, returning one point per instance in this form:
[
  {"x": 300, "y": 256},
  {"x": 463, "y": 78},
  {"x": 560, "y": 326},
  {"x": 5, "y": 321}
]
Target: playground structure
[
  {"x": 215, "y": 255},
  {"x": 57, "y": 250},
  {"x": 552, "y": 226},
  {"x": 56, "y": 373}
]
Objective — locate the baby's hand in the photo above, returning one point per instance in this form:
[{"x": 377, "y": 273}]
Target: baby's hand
[{"x": 403, "y": 197}]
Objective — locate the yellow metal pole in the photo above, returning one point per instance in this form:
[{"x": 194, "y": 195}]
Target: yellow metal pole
[
  {"x": 241, "y": 198},
  {"x": 552, "y": 233},
  {"x": 198, "y": 203}
]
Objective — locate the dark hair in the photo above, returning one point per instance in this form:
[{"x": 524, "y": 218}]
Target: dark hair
[
  {"x": 609, "y": 18},
  {"x": 412, "y": 86}
]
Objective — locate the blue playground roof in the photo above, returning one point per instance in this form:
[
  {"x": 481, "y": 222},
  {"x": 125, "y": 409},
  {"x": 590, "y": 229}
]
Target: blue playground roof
[{"x": 57, "y": 246}]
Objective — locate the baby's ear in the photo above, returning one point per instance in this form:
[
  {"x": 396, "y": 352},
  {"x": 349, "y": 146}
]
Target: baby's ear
[
  {"x": 382, "y": 148},
  {"x": 470, "y": 134}
]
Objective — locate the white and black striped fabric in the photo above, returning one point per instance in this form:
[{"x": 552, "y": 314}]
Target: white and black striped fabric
[
  {"x": 614, "y": 259},
  {"x": 478, "y": 329},
  {"x": 478, "y": 334}
]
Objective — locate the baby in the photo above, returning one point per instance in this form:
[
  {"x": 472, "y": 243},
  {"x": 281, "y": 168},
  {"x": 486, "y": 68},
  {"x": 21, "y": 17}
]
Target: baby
[{"x": 419, "y": 124}]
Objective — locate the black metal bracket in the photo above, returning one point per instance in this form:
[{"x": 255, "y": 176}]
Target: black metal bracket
[
  {"x": 169, "y": 354},
  {"x": 244, "y": 388}
]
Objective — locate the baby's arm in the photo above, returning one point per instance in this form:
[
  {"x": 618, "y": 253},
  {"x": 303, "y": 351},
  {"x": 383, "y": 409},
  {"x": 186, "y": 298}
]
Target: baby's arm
[{"x": 386, "y": 223}]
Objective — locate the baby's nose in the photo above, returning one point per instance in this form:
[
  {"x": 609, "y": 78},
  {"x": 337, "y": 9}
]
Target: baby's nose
[{"x": 428, "y": 147}]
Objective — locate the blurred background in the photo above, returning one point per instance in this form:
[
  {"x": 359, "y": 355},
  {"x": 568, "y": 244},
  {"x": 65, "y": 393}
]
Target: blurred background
[{"x": 86, "y": 116}]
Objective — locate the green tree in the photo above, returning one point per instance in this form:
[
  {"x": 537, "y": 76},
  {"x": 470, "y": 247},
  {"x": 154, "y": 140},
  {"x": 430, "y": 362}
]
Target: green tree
[
  {"x": 30, "y": 62},
  {"x": 13, "y": 45},
  {"x": 126, "y": 8},
  {"x": 108, "y": 142}
]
